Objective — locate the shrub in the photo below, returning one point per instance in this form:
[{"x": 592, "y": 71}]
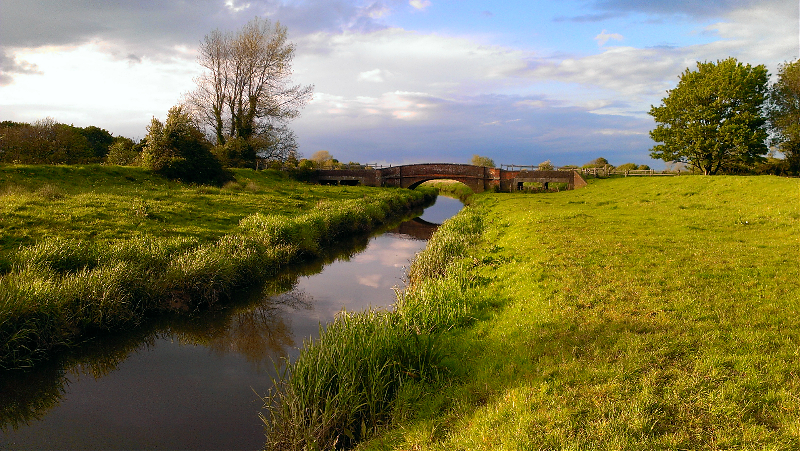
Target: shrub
[{"x": 177, "y": 149}]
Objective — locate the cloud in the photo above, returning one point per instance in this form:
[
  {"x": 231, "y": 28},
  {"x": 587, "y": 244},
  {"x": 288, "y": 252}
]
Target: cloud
[
  {"x": 148, "y": 27},
  {"x": 524, "y": 130},
  {"x": 588, "y": 17},
  {"x": 420, "y": 4},
  {"x": 373, "y": 76},
  {"x": 405, "y": 61},
  {"x": 373, "y": 280},
  {"x": 10, "y": 66},
  {"x": 604, "y": 37},
  {"x": 691, "y": 8}
]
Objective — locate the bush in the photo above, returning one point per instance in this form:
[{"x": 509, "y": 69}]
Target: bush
[
  {"x": 178, "y": 150},
  {"x": 236, "y": 153},
  {"x": 123, "y": 152}
]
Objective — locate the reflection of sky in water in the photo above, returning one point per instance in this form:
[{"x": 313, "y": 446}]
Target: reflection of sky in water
[
  {"x": 197, "y": 388},
  {"x": 445, "y": 207},
  {"x": 364, "y": 281}
]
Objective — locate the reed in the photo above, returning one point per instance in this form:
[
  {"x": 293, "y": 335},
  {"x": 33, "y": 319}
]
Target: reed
[{"x": 344, "y": 385}]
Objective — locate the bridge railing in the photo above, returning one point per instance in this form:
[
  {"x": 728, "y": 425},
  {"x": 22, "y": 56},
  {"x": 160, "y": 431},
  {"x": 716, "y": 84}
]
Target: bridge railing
[{"x": 529, "y": 167}]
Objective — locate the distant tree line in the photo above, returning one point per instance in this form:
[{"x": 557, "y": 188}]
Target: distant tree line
[{"x": 49, "y": 142}]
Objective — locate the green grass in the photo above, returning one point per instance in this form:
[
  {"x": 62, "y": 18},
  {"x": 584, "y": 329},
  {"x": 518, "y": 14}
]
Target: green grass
[
  {"x": 94, "y": 249},
  {"x": 451, "y": 188},
  {"x": 647, "y": 313},
  {"x": 344, "y": 386},
  {"x": 110, "y": 203}
]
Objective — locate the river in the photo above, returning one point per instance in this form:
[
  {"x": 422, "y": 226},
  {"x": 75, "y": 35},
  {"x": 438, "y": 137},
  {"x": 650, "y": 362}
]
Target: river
[{"x": 194, "y": 382}]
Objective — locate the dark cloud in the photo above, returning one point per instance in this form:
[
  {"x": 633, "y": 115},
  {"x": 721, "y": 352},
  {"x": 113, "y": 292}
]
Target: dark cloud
[
  {"x": 509, "y": 129},
  {"x": 9, "y": 66},
  {"x": 154, "y": 27},
  {"x": 700, "y": 9}
]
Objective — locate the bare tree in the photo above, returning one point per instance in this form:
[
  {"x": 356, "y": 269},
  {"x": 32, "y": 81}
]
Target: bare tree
[{"x": 246, "y": 91}]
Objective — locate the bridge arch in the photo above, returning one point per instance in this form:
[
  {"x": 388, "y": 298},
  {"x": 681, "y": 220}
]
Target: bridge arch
[{"x": 467, "y": 182}]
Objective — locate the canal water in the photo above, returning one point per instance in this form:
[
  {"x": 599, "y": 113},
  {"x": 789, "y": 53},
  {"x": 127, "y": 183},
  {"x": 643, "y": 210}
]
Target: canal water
[{"x": 194, "y": 383}]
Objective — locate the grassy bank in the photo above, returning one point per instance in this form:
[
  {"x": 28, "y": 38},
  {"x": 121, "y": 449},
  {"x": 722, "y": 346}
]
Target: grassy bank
[
  {"x": 451, "y": 188},
  {"x": 345, "y": 386},
  {"x": 632, "y": 314},
  {"x": 92, "y": 249}
]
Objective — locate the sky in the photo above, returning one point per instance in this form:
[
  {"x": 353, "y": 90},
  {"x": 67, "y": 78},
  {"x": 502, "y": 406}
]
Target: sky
[{"x": 399, "y": 81}]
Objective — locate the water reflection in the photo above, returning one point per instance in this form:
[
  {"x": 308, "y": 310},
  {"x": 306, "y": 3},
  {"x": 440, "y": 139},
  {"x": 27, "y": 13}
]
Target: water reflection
[{"x": 191, "y": 382}]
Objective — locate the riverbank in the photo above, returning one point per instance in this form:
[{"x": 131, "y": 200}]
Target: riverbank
[
  {"x": 634, "y": 314},
  {"x": 101, "y": 248}
]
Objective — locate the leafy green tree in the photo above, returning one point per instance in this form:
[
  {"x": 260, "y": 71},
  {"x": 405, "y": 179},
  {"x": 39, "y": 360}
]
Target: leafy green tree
[
  {"x": 478, "y": 160},
  {"x": 98, "y": 141},
  {"x": 713, "y": 119},
  {"x": 178, "y": 149},
  {"x": 43, "y": 142},
  {"x": 784, "y": 116},
  {"x": 236, "y": 153},
  {"x": 124, "y": 152},
  {"x": 599, "y": 162},
  {"x": 627, "y": 167}
]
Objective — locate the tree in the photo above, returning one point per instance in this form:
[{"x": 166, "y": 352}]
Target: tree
[
  {"x": 178, "y": 149},
  {"x": 478, "y": 160},
  {"x": 246, "y": 91},
  {"x": 98, "y": 140},
  {"x": 713, "y": 119},
  {"x": 322, "y": 159},
  {"x": 784, "y": 115},
  {"x": 546, "y": 165},
  {"x": 599, "y": 162},
  {"x": 124, "y": 152},
  {"x": 627, "y": 167}
]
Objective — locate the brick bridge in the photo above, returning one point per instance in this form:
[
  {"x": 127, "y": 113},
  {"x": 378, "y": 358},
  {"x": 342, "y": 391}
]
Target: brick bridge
[{"x": 477, "y": 178}]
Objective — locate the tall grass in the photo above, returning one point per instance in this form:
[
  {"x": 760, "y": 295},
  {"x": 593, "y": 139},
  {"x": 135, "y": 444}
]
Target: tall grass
[
  {"x": 60, "y": 290},
  {"x": 344, "y": 385}
]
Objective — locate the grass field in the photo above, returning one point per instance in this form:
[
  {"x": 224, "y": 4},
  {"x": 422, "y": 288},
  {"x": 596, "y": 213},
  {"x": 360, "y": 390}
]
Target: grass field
[
  {"x": 112, "y": 203},
  {"x": 646, "y": 313},
  {"x": 93, "y": 248}
]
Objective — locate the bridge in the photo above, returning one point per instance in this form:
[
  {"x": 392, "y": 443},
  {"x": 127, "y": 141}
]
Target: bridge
[{"x": 478, "y": 178}]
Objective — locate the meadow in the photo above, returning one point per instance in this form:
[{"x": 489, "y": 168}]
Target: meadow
[
  {"x": 635, "y": 313},
  {"x": 90, "y": 249}
]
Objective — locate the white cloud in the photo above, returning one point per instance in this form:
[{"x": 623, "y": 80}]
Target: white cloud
[
  {"x": 233, "y": 6},
  {"x": 85, "y": 86},
  {"x": 372, "y": 280},
  {"x": 408, "y": 61},
  {"x": 373, "y": 76},
  {"x": 604, "y": 37},
  {"x": 420, "y": 4}
]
